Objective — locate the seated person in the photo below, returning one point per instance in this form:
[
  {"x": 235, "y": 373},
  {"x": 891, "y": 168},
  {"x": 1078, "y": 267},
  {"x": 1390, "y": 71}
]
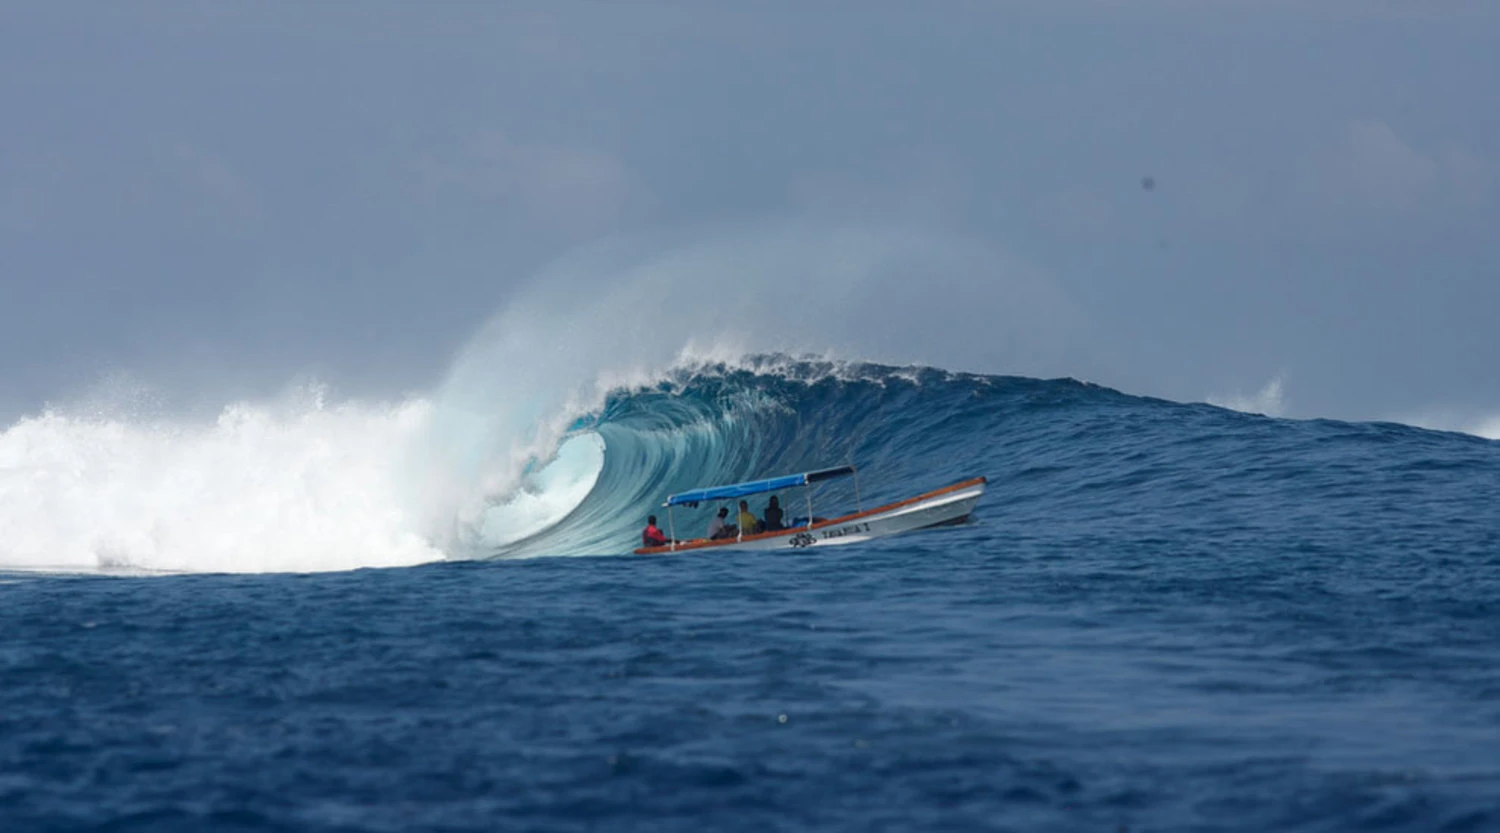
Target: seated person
[
  {"x": 718, "y": 529},
  {"x": 651, "y": 536},
  {"x": 748, "y": 521},
  {"x": 773, "y": 515}
]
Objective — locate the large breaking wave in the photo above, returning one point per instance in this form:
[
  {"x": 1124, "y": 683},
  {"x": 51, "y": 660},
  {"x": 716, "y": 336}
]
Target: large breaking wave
[{"x": 308, "y": 485}]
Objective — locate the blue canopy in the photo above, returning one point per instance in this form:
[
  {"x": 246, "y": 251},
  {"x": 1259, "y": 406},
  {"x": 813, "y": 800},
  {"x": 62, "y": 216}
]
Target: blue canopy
[{"x": 755, "y": 487}]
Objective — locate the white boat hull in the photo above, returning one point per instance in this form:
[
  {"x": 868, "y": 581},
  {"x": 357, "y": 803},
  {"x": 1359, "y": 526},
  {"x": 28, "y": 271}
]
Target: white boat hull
[{"x": 943, "y": 506}]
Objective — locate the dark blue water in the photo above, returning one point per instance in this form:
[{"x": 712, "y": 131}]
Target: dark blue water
[{"x": 1164, "y": 617}]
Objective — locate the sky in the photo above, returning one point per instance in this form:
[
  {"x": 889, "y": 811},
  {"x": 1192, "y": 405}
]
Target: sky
[{"x": 1285, "y": 206}]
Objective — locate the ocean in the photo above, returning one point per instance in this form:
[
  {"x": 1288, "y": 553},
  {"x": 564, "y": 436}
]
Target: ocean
[{"x": 1162, "y": 616}]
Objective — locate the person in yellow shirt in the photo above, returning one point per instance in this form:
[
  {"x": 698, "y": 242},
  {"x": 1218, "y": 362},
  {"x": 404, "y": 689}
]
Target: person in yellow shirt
[{"x": 747, "y": 520}]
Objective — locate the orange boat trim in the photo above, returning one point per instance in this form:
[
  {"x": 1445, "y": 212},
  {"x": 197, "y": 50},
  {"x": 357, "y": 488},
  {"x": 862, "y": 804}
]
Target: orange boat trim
[{"x": 704, "y": 543}]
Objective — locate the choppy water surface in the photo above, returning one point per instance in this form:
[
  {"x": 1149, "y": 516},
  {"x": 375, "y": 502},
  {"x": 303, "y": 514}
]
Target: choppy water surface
[{"x": 1165, "y": 617}]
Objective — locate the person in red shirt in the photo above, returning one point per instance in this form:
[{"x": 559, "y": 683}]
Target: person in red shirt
[{"x": 651, "y": 536}]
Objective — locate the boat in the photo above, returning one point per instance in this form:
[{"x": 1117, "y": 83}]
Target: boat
[{"x": 939, "y": 507}]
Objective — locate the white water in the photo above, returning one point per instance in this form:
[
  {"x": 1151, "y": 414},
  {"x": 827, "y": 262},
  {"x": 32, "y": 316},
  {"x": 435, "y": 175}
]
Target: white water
[
  {"x": 297, "y": 487},
  {"x": 1269, "y": 401},
  {"x": 1487, "y": 427}
]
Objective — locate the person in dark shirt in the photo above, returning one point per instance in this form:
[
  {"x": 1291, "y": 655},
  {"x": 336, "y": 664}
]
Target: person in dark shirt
[
  {"x": 773, "y": 515},
  {"x": 651, "y": 536}
]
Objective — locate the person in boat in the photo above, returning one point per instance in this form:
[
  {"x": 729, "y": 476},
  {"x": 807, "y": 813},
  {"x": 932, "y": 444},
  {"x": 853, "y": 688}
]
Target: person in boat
[
  {"x": 718, "y": 529},
  {"x": 774, "y": 516},
  {"x": 651, "y": 536},
  {"x": 749, "y": 524}
]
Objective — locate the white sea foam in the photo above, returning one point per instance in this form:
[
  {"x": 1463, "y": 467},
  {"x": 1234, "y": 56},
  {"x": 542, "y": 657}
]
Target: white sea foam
[
  {"x": 1269, "y": 400},
  {"x": 1489, "y": 428},
  {"x": 298, "y": 485},
  {"x": 1439, "y": 419}
]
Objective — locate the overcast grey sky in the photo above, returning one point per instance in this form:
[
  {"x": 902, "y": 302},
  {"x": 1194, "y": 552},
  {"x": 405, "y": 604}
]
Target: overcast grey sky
[{"x": 220, "y": 198}]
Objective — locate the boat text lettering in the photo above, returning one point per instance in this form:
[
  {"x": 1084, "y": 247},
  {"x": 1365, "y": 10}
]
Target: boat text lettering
[{"x": 851, "y": 529}]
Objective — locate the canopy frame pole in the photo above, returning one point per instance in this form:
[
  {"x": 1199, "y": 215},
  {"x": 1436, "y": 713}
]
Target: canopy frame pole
[
  {"x": 739, "y": 526},
  {"x": 671, "y": 531},
  {"x": 809, "y": 505}
]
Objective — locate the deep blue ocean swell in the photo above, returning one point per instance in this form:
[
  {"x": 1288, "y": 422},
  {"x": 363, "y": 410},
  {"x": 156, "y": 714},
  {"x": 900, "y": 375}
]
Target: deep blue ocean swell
[{"x": 1164, "y": 617}]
